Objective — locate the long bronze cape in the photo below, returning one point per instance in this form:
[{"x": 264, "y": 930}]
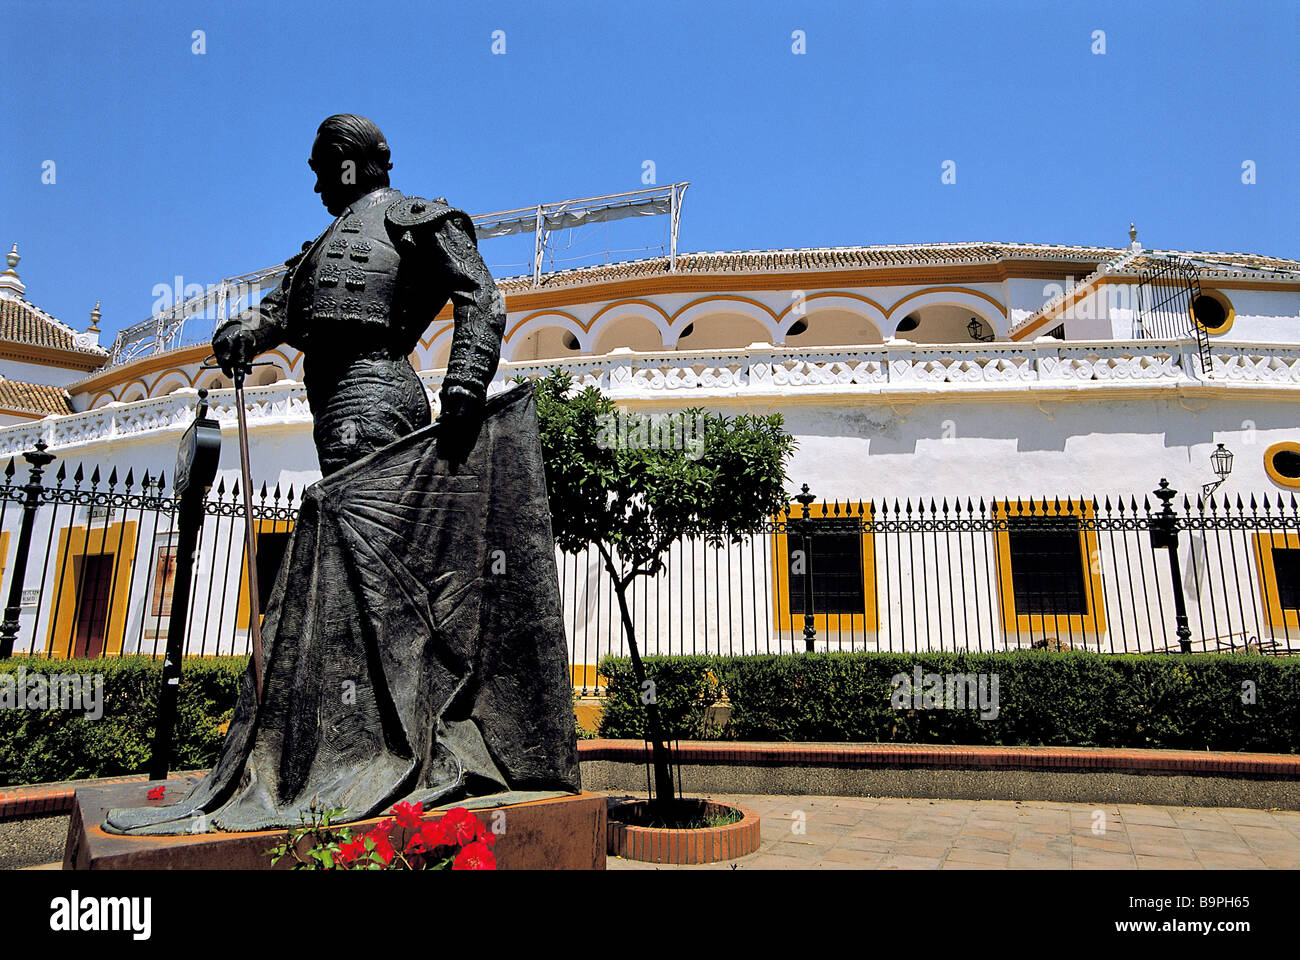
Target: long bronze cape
[{"x": 414, "y": 645}]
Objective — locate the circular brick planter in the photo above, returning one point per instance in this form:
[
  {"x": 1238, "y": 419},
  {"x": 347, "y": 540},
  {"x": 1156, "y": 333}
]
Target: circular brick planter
[{"x": 698, "y": 845}]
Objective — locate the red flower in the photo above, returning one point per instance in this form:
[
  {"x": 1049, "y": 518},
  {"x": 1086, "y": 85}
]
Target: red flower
[
  {"x": 352, "y": 849},
  {"x": 156, "y": 793},
  {"x": 433, "y": 835},
  {"x": 408, "y": 815},
  {"x": 476, "y": 856},
  {"x": 383, "y": 846},
  {"x": 461, "y": 827}
]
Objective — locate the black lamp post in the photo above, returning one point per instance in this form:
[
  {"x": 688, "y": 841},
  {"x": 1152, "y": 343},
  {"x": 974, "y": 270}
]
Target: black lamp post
[
  {"x": 976, "y": 331},
  {"x": 1221, "y": 461}
]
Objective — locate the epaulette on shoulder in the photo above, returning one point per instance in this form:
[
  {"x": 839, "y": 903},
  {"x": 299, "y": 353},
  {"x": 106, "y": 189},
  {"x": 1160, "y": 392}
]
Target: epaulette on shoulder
[
  {"x": 297, "y": 257},
  {"x": 409, "y": 217}
]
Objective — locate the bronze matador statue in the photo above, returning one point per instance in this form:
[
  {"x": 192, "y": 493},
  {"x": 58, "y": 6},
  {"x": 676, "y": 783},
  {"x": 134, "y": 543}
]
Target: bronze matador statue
[
  {"x": 357, "y": 300},
  {"x": 414, "y": 645}
]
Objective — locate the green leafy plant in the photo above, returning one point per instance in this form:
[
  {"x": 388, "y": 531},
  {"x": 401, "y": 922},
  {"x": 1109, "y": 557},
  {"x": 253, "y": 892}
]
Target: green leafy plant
[
  {"x": 38, "y": 746},
  {"x": 1074, "y": 698},
  {"x": 634, "y": 501}
]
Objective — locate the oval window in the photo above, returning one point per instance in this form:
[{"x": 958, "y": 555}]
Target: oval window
[
  {"x": 1213, "y": 311},
  {"x": 1282, "y": 464}
]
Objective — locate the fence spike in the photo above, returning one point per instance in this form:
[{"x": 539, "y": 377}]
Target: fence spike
[
  {"x": 130, "y": 478},
  {"x": 9, "y": 471},
  {"x": 1293, "y": 503},
  {"x": 276, "y": 495},
  {"x": 1254, "y": 507},
  {"x": 112, "y": 479},
  {"x": 263, "y": 491},
  {"x": 221, "y": 488},
  {"x": 945, "y": 506},
  {"x": 290, "y": 498},
  {"x": 77, "y": 475},
  {"x": 94, "y": 477},
  {"x": 234, "y": 490}
]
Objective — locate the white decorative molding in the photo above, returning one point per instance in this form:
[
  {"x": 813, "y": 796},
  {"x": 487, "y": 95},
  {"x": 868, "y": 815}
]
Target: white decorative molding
[{"x": 760, "y": 371}]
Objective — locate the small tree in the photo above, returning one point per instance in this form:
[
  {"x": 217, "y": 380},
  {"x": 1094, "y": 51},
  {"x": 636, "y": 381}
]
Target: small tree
[{"x": 634, "y": 485}]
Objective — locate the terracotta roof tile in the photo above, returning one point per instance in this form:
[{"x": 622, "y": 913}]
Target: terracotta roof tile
[
  {"x": 891, "y": 255},
  {"x": 23, "y": 322},
  {"x": 34, "y": 397}
]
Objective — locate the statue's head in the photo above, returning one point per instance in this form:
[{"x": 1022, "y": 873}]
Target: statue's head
[{"x": 350, "y": 158}]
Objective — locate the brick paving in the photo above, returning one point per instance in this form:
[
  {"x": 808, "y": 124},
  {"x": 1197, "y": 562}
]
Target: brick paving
[{"x": 809, "y": 833}]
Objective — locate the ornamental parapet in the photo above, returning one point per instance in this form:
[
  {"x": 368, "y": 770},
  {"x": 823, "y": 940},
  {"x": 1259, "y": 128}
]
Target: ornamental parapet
[{"x": 758, "y": 371}]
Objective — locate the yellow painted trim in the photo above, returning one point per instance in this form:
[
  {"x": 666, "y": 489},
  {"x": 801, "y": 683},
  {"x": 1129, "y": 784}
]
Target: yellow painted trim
[
  {"x": 50, "y": 356},
  {"x": 585, "y": 675},
  {"x": 928, "y": 290},
  {"x": 837, "y": 294},
  {"x": 262, "y": 526},
  {"x": 189, "y": 381},
  {"x": 728, "y": 298},
  {"x": 1276, "y": 616},
  {"x": 825, "y": 623},
  {"x": 1061, "y": 625},
  {"x": 4, "y": 558},
  {"x": 543, "y": 313},
  {"x": 1291, "y": 483},
  {"x": 441, "y": 330},
  {"x": 1229, "y": 312},
  {"x": 76, "y": 543},
  {"x": 631, "y": 301}
]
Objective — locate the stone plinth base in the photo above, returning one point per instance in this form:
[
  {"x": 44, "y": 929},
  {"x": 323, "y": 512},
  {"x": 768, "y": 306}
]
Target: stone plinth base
[{"x": 566, "y": 833}]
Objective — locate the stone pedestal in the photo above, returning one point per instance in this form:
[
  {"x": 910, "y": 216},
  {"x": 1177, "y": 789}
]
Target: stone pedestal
[{"x": 567, "y": 833}]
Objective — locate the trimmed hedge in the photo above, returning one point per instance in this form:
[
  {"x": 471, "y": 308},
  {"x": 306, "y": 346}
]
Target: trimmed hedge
[
  {"x": 1075, "y": 698},
  {"x": 45, "y": 745}
]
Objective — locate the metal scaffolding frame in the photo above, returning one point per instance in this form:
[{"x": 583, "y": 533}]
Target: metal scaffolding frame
[{"x": 165, "y": 330}]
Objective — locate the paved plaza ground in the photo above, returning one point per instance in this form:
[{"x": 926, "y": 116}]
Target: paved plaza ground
[{"x": 809, "y": 833}]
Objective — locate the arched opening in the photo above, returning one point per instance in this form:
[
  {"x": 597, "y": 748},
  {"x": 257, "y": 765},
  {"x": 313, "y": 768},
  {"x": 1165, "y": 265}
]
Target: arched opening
[
  {"x": 831, "y": 328},
  {"x": 168, "y": 387},
  {"x": 544, "y": 343},
  {"x": 264, "y": 376},
  {"x": 215, "y": 381},
  {"x": 438, "y": 359},
  {"x": 945, "y": 323},
  {"x": 636, "y": 333},
  {"x": 134, "y": 394},
  {"x": 722, "y": 331}
]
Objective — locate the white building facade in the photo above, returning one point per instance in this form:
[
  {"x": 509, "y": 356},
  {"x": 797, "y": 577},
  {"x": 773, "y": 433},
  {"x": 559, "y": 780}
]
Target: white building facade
[{"x": 934, "y": 377}]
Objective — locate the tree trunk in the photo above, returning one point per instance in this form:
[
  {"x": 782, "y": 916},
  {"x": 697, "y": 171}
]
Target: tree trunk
[{"x": 664, "y": 791}]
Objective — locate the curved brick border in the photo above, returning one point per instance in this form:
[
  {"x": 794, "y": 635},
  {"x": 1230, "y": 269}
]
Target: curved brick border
[
  {"x": 703, "y": 845},
  {"x": 934, "y": 756}
]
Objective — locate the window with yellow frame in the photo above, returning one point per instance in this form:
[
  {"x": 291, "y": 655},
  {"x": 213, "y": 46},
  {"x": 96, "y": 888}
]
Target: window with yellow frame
[
  {"x": 843, "y": 573},
  {"x": 272, "y": 542},
  {"x": 1277, "y": 557},
  {"x": 91, "y": 574},
  {"x": 1049, "y": 570}
]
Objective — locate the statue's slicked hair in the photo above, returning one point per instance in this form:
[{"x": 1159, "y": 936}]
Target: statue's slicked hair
[{"x": 360, "y": 140}]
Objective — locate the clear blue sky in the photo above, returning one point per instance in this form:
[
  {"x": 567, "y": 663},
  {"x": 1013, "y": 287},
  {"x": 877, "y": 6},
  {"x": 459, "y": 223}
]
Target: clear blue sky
[{"x": 172, "y": 163}]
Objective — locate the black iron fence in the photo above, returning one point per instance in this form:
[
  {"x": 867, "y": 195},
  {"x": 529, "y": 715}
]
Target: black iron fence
[
  {"x": 1123, "y": 574},
  {"x": 89, "y": 559}
]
